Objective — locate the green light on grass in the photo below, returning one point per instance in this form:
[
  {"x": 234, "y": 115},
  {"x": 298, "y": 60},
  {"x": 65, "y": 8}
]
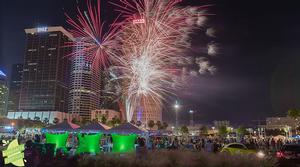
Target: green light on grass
[
  {"x": 123, "y": 143},
  {"x": 60, "y": 140},
  {"x": 88, "y": 143}
]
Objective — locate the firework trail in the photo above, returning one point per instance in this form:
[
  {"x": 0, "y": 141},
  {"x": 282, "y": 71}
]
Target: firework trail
[
  {"x": 145, "y": 51},
  {"x": 88, "y": 30},
  {"x": 154, "y": 36}
]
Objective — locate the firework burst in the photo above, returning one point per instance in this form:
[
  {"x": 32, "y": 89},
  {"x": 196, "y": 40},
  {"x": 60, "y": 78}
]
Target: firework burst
[
  {"x": 154, "y": 36},
  {"x": 88, "y": 30},
  {"x": 145, "y": 51}
]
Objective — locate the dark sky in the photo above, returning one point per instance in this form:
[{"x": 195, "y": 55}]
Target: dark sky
[{"x": 258, "y": 61}]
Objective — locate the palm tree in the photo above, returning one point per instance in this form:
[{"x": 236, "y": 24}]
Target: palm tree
[
  {"x": 114, "y": 121},
  {"x": 132, "y": 122},
  {"x": 46, "y": 120},
  {"x": 138, "y": 123},
  {"x": 241, "y": 131},
  {"x": 74, "y": 121},
  {"x": 55, "y": 120},
  {"x": 184, "y": 129},
  {"x": 165, "y": 125},
  {"x": 294, "y": 114},
  {"x": 222, "y": 131},
  {"x": 203, "y": 130},
  {"x": 151, "y": 124},
  {"x": 159, "y": 126},
  {"x": 36, "y": 118},
  {"x": 103, "y": 119},
  {"x": 118, "y": 121}
]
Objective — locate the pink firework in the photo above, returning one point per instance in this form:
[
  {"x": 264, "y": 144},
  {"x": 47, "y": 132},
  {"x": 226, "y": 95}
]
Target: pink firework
[
  {"x": 154, "y": 37},
  {"x": 88, "y": 30}
]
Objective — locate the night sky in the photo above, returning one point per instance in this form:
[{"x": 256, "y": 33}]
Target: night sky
[{"x": 258, "y": 63}]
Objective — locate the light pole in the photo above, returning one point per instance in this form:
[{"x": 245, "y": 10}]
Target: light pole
[
  {"x": 192, "y": 118},
  {"x": 176, "y": 106}
]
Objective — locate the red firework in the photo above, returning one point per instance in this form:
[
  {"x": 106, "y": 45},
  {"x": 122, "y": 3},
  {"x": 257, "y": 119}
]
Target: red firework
[{"x": 90, "y": 39}]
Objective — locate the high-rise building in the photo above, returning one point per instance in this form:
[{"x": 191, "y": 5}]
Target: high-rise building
[
  {"x": 46, "y": 70},
  {"x": 148, "y": 110},
  {"x": 3, "y": 93},
  {"x": 85, "y": 86},
  {"x": 15, "y": 87}
]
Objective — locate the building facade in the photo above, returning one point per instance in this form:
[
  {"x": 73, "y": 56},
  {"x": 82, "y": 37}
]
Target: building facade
[
  {"x": 43, "y": 116},
  {"x": 45, "y": 70},
  {"x": 3, "y": 94},
  {"x": 218, "y": 124},
  {"x": 281, "y": 123},
  {"x": 15, "y": 87},
  {"x": 85, "y": 86},
  {"x": 148, "y": 110}
]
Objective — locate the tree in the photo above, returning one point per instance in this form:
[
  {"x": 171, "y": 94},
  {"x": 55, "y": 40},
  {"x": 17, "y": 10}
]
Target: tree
[
  {"x": 55, "y": 120},
  {"x": 241, "y": 131},
  {"x": 138, "y": 123},
  {"x": 118, "y": 121},
  {"x": 74, "y": 121},
  {"x": 184, "y": 129},
  {"x": 159, "y": 125},
  {"x": 114, "y": 121},
  {"x": 203, "y": 130},
  {"x": 103, "y": 119},
  {"x": 222, "y": 131},
  {"x": 165, "y": 125},
  {"x": 294, "y": 113},
  {"x": 85, "y": 122},
  {"x": 151, "y": 124},
  {"x": 46, "y": 121},
  {"x": 36, "y": 118}
]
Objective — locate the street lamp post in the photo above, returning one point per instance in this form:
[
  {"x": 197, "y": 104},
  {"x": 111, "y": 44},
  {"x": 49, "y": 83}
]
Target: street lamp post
[
  {"x": 176, "y": 106},
  {"x": 192, "y": 118}
]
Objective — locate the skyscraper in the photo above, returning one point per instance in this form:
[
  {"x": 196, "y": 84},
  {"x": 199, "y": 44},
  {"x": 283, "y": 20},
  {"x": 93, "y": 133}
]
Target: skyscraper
[
  {"x": 148, "y": 110},
  {"x": 84, "y": 95},
  {"x": 46, "y": 70},
  {"x": 3, "y": 93},
  {"x": 15, "y": 87}
]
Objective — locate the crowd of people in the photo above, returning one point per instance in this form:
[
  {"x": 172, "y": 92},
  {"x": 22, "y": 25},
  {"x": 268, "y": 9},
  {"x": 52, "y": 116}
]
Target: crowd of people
[
  {"x": 209, "y": 144},
  {"x": 146, "y": 143}
]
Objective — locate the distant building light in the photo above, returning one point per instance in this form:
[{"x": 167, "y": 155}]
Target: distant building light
[
  {"x": 138, "y": 21},
  {"x": 42, "y": 29},
  {"x": 2, "y": 73},
  {"x": 8, "y": 127}
]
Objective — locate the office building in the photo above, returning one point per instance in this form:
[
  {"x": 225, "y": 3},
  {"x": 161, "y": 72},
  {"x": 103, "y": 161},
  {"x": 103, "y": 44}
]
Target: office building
[
  {"x": 85, "y": 86},
  {"x": 46, "y": 70},
  {"x": 15, "y": 87},
  {"x": 281, "y": 122},
  {"x": 3, "y": 94},
  {"x": 148, "y": 110}
]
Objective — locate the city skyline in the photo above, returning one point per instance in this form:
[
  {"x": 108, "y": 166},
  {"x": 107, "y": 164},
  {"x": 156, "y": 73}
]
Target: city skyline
[{"x": 249, "y": 71}]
